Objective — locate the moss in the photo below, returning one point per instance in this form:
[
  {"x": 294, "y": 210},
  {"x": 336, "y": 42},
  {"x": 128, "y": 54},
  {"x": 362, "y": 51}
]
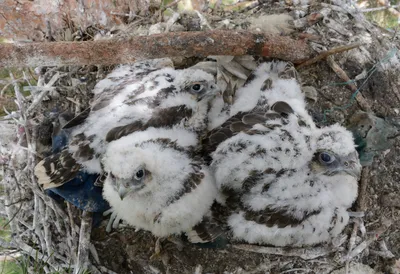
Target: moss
[{"x": 10, "y": 268}]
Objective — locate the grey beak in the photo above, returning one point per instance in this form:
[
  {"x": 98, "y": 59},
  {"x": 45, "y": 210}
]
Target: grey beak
[
  {"x": 211, "y": 93},
  {"x": 217, "y": 90},
  {"x": 122, "y": 191},
  {"x": 354, "y": 170}
]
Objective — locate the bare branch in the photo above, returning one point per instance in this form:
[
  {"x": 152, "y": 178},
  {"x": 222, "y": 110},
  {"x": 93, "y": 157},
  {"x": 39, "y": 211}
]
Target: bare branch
[{"x": 186, "y": 44}]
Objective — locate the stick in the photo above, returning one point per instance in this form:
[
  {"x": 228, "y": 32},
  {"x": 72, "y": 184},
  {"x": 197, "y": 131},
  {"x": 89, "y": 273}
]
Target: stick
[
  {"x": 327, "y": 53},
  {"x": 185, "y": 44},
  {"x": 343, "y": 75},
  {"x": 82, "y": 262},
  {"x": 361, "y": 206},
  {"x": 303, "y": 253},
  {"x": 380, "y": 8},
  {"x": 363, "y": 245}
]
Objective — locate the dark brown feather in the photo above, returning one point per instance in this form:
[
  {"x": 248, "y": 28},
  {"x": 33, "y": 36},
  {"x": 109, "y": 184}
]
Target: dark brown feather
[
  {"x": 207, "y": 230},
  {"x": 165, "y": 117},
  {"x": 279, "y": 217},
  {"x": 267, "y": 84},
  {"x": 78, "y": 119},
  {"x": 282, "y": 108},
  {"x": 217, "y": 138},
  {"x": 65, "y": 167},
  {"x": 249, "y": 79},
  {"x": 192, "y": 181},
  {"x": 84, "y": 152},
  {"x": 253, "y": 119},
  {"x": 289, "y": 72},
  {"x": 237, "y": 127},
  {"x": 273, "y": 116},
  {"x": 118, "y": 132}
]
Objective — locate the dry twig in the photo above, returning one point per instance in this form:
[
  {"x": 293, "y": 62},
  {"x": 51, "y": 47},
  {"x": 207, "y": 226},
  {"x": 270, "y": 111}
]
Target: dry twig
[
  {"x": 327, "y": 53},
  {"x": 303, "y": 253},
  {"x": 343, "y": 75},
  {"x": 82, "y": 262},
  {"x": 380, "y": 8},
  {"x": 364, "y": 244}
]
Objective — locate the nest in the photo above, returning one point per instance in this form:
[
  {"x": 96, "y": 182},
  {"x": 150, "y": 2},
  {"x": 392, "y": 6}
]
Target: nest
[{"x": 62, "y": 237}]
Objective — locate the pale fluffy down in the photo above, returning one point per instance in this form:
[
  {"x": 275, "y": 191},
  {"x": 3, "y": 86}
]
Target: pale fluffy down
[
  {"x": 119, "y": 113},
  {"x": 315, "y": 230},
  {"x": 271, "y": 175},
  {"x": 120, "y": 73},
  {"x": 295, "y": 192},
  {"x": 163, "y": 206},
  {"x": 342, "y": 141},
  {"x": 251, "y": 95},
  {"x": 130, "y": 99},
  {"x": 121, "y": 92}
]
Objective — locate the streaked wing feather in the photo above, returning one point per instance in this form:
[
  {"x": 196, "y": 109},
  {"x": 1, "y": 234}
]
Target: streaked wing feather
[
  {"x": 277, "y": 217},
  {"x": 56, "y": 170},
  {"x": 161, "y": 118},
  {"x": 204, "y": 232}
]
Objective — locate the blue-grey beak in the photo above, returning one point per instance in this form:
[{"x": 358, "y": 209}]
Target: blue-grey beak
[
  {"x": 354, "y": 170},
  {"x": 122, "y": 191}
]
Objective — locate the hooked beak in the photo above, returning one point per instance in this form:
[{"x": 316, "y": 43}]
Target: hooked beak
[
  {"x": 216, "y": 91},
  {"x": 128, "y": 186},
  {"x": 122, "y": 191},
  {"x": 354, "y": 169}
]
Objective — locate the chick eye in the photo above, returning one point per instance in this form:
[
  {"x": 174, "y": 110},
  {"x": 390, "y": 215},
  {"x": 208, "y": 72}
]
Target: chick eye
[
  {"x": 197, "y": 87},
  {"x": 326, "y": 158},
  {"x": 139, "y": 174}
]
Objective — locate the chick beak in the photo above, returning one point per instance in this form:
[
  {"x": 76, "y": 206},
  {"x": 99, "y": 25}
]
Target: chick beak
[
  {"x": 122, "y": 191},
  {"x": 217, "y": 91},
  {"x": 354, "y": 169}
]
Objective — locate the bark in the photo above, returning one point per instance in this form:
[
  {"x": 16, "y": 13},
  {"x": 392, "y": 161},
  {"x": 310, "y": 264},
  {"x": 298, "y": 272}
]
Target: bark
[{"x": 186, "y": 44}]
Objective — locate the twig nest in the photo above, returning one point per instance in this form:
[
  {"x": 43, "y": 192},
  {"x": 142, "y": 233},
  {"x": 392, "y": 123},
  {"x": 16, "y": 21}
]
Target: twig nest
[
  {"x": 356, "y": 268},
  {"x": 272, "y": 24}
]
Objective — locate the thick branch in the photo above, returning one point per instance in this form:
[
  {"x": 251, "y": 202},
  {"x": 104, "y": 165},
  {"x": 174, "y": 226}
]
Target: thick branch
[{"x": 106, "y": 52}]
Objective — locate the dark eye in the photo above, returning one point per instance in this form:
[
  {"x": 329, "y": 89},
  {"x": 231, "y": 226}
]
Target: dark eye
[
  {"x": 139, "y": 174},
  {"x": 197, "y": 87},
  {"x": 326, "y": 158}
]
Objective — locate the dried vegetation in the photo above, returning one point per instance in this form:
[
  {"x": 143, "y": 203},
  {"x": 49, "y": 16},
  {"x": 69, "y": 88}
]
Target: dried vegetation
[{"x": 62, "y": 237}]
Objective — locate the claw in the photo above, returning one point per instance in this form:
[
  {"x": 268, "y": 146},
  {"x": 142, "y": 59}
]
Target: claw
[{"x": 114, "y": 220}]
